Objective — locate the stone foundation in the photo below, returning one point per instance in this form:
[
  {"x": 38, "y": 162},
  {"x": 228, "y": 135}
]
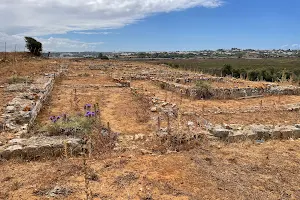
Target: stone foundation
[
  {"x": 21, "y": 112},
  {"x": 226, "y": 93},
  {"x": 40, "y": 147},
  {"x": 255, "y": 132}
]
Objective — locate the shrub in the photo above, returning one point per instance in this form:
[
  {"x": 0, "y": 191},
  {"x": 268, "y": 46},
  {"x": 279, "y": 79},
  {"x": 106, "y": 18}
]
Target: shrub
[
  {"x": 18, "y": 79},
  {"x": 243, "y": 73},
  {"x": 236, "y": 73},
  {"x": 266, "y": 75},
  {"x": 73, "y": 126},
  {"x": 253, "y": 75},
  {"x": 227, "y": 70},
  {"x": 203, "y": 89}
]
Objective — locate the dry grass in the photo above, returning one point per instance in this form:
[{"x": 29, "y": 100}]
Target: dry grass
[
  {"x": 118, "y": 106},
  {"x": 211, "y": 171},
  {"x": 207, "y": 108},
  {"x": 200, "y": 170}
]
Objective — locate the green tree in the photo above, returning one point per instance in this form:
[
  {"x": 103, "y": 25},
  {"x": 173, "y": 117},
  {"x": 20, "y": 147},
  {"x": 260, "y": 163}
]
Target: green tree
[
  {"x": 34, "y": 46},
  {"x": 100, "y": 55},
  {"x": 227, "y": 70}
]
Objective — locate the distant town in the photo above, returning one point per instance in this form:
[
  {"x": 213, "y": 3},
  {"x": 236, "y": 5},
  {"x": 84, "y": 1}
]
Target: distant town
[{"x": 202, "y": 54}]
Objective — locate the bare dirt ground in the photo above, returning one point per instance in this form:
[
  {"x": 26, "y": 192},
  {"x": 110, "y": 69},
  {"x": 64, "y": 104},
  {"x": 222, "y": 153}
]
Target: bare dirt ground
[
  {"x": 208, "y": 170},
  {"x": 212, "y": 171},
  {"x": 118, "y": 106}
]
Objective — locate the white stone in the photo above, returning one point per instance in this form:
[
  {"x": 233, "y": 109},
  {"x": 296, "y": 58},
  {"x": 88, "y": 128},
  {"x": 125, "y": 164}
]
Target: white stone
[
  {"x": 154, "y": 109},
  {"x": 16, "y": 141},
  {"x": 165, "y": 104},
  {"x": 190, "y": 123},
  {"x": 10, "y": 109},
  {"x": 14, "y": 148}
]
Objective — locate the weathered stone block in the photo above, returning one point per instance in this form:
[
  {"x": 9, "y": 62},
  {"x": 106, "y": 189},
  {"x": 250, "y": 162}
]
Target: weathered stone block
[
  {"x": 263, "y": 132},
  {"x": 236, "y": 136},
  {"x": 286, "y": 132},
  {"x": 10, "y": 109},
  {"x": 220, "y": 132}
]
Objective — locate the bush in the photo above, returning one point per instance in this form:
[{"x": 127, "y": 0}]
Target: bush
[
  {"x": 203, "y": 89},
  {"x": 266, "y": 75},
  {"x": 227, "y": 70},
  {"x": 243, "y": 73},
  {"x": 18, "y": 79},
  {"x": 78, "y": 126},
  {"x": 236, "y": 73},
  {"x": 102, "y": 57},
  {"x": 253, "y": 75}
]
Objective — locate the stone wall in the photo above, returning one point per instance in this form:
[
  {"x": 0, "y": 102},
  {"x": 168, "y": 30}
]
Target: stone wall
[
  {"x": 40, "y": 147},
  {"x": 226, "y": 93},
  {"x": 237, "y": 132},
  {"x": 21, "y": 112}
]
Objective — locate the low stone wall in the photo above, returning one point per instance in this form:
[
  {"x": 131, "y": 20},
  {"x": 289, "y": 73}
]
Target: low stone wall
[
  {"x": 257, "y": 132},
  {"x": 230, "y": 93},
  {"x": 40, "y": 147},
  {"x": 21, "y": 112},
  {"x": 196, "y": 78}
]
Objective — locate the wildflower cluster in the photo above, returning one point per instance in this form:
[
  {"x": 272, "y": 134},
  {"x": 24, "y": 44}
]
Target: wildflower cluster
[
  {"x": 87, "y": 113},
  {"x": 54, "y": 118}
]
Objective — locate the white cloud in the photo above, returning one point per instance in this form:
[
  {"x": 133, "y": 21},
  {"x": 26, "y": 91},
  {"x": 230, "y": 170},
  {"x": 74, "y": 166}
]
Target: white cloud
[
  {"x": 293, "y": 46},
  {"x": 93, "y": 33},
  {"x": 47, "y": 17},
  {"x": 50, "y": 44},
  {"x": 286, "y": 46},
  {"x": 64, "y": 44}
]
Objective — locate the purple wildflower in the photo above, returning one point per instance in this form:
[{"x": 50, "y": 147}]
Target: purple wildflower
[
  {"x": 87, "y": 114},
  {"x": 87, "y": 106},
  {"x": 52, "y": 118}
]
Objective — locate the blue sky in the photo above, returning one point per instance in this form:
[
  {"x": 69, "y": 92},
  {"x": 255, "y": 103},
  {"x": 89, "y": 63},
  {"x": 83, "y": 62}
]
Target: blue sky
[
  {"x": 186, "y": 25},
  {"x": 244, "y": 24}
]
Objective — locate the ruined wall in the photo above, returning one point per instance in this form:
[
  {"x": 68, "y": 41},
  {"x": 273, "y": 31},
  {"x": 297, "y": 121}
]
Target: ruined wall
[
  {"x": 21, "y": 111},
  {"x": 226, "y": 93}
]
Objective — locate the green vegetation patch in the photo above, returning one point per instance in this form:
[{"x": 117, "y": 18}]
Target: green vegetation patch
[
  {"x": 268, "y": 69},
  {"x": 19, "y": 79}
]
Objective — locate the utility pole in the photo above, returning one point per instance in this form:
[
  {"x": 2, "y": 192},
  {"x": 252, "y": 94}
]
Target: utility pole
[
  {"x": 15, "y": 61},
  {"x": 4, "y": 51}
]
